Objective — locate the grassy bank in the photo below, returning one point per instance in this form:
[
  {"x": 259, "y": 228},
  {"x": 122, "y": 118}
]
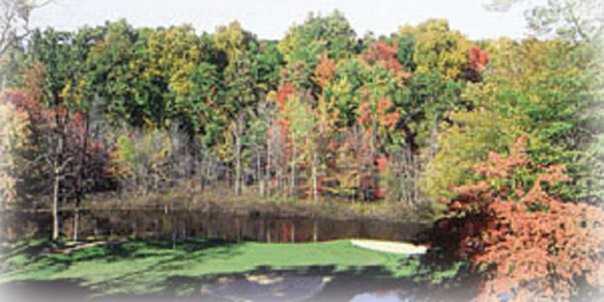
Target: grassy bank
[
  {"x": 145, "y": 267},
  {"x": 185, "y": 197}
]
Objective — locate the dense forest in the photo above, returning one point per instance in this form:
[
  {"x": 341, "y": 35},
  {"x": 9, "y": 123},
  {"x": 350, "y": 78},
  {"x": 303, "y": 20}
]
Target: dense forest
[{"x": 423, "y": 117}]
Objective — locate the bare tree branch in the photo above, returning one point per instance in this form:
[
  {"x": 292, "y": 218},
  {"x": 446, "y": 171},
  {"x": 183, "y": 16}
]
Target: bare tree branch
[
  {"x": 15, "y": 21},
  {"x": 574, "y": 20}
]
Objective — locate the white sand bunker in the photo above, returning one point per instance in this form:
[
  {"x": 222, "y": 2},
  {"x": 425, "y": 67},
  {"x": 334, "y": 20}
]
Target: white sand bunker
[{"x": 390, "y": 247}]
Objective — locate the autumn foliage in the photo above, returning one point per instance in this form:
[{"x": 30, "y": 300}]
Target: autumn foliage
[
  {"x": 478, "y": 59},
  {"x": 41, "y": 124},
  {"x": 325, "y": 71},
  {"x": 384, "y": 54},
  {"x": 381, "y": 113},
  {"x": 531, "y": 245}
]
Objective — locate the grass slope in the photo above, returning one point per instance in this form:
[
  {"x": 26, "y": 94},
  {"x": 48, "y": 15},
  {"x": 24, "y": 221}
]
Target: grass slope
[{"x": 145, "y": 266}]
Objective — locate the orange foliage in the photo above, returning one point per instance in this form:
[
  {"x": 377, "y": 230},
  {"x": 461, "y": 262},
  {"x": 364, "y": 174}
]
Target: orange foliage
[
  {"x": 478, "y": 59},
  {"x": 283, "y": 93},
  {"x": 364, "y": 117},
  {"x": 382, "y": 163},
  {"x": 373, "y": 116},
  {"x": 45, "y": 121},
  {"x": 384, "y": 118},
  {"x": 325, "y": 71},
  {"x": 382, "y": 53},
  {"x": 532, "y": 244}
]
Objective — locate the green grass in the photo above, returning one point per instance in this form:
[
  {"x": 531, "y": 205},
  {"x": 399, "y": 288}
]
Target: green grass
[{"x": 145, "y": 266}]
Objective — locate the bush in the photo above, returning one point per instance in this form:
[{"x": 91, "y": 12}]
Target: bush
[{"x": 529, "y": 243}]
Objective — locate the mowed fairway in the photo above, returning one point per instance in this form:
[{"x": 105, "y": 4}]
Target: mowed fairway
[{"x": 146, "y": 266}]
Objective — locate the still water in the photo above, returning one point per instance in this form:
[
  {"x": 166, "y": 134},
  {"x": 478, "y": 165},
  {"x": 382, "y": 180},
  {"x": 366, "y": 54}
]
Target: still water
[{"x": 182, "y": 224}]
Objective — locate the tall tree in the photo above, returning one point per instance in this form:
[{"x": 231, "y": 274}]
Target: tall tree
[
  {"x": 573, "y": 20},
  {"x": 241, "y": 90},
  {"x": 51, "y": 49},
  {"x": 15, "y": 21},
  {"x": 15, "y": 136},
  {"x": 304, "y": 44}
]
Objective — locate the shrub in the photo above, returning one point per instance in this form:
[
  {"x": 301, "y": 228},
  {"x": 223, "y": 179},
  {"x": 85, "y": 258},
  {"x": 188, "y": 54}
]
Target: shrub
[{"x": 529, "y": 243}]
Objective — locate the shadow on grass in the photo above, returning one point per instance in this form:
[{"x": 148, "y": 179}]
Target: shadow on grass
[
  {"x": 43, "y": 260},
  {"x": 154, "y": 268},
  {"x": 265, "y": 283},
  {"x": 166, "y": 259},
  {"x": 311, "y": 283}
]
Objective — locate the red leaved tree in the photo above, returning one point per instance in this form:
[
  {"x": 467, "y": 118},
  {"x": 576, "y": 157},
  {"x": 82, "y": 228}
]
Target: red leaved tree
[
  {"x": 478, "y": 59},
  {"x": 530, "y": 244},
  {"x": 41, "y": 171},
  {"x": 386, "y": 55},
  {"x": 325, "y": 71}
]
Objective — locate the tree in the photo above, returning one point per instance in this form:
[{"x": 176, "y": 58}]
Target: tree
[
  {"x": 300, "y": 122},
  {"x": 343, "y": 90},
  {"x": 14, "y": 29},
  {"x": 51, "y": 49},
  {"x": 61, "y": 94},
  {"x": 573, "y": 20},
  {"x": 37, "y": 160},
  {"x": 241, "y": 92},
  {"x": 549, "y": 100},
  {"x": 81, "y": 96},
  {"x": 14, "y": 21},
  {"x": 141, "y": 160},
  {"x": 304, "y": 44},
  {"x": 468, "y": 141},
  {"x": 164, "y": 63},
  {"x": 438, "y": 48},
  {"x": 531, "y": 244},
  {"x": 109, "y": 74},
  {"x": 556, "y": 99},
  {"x": 15, "y": 136}
]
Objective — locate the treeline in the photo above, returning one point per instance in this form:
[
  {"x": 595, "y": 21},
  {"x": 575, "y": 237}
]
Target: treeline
[
  {"x": 506, "y": 133},
  {"x": 320, "y": 114}
]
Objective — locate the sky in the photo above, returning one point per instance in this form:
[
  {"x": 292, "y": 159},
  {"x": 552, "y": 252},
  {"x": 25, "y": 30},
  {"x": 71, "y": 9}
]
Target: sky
[{"x": 270, "y": 19}]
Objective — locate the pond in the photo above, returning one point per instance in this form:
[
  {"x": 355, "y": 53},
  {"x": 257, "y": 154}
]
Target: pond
[
  {"x": 302, "y": 283},
  {"x": 181, "y": 224}
]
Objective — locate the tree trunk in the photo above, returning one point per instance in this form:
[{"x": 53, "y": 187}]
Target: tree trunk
[
  {"x": 315, "y": 192},
  {"x": 267, "y": 172},
  {"x": 57, "y": 187},
  {"x": 57, "y": 167},
  {"x": 279, "y": 178},
  {"x": 434, "y": 137},
  {"x": 371, "y": 186},
  {"x": 76, "y": 223},
  {"x": 292, "y": 188},
  {"x": 202, "y": 174},
  {"x": 237, "y": 161},
  {"x": 80, "y": 177},
  {"x": 55, "y": 204},
  {"x": 315, "y": 230},
  {"x": 259, "y": 173}
]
